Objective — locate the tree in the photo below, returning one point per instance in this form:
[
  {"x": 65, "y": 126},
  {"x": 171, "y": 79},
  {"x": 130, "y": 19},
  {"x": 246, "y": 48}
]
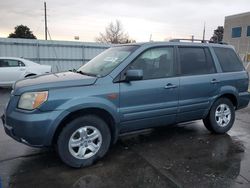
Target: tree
[
  {"x": 22, "y": 31},
  {"x": 218, "y": 35},
  {"x": 114, "y": 34}
]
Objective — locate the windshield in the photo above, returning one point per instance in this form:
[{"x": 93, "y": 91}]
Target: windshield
[{"x": 107, "y": 61}]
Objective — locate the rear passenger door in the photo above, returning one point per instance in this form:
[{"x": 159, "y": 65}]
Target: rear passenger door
[{"x": 198, "y": 82}]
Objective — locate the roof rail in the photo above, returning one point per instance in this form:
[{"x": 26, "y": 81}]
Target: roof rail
[{"x": 196, "y": 40}]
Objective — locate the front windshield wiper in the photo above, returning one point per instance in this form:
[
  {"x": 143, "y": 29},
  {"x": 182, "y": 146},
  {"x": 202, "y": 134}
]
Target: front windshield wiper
[{"x": 87, "y": 74}]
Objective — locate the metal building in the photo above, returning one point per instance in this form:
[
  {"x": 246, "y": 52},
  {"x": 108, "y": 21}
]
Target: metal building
[
  {"x": 237, "y": 33},
  {"x": 62, "y": 55}
]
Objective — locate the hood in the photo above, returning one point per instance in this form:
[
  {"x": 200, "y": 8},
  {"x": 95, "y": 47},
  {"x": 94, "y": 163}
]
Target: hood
[{"x": 55, "y": 80}]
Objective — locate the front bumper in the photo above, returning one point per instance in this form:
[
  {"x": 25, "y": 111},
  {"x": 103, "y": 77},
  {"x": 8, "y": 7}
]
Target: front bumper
[
  {"x": 33, "y": 129},
  {"x": 9, "y": 130}
]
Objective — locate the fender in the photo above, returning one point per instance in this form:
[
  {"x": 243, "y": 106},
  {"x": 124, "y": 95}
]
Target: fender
[
  {"x": 90, "y": 102},
  {"x": 224, "y": 90},
  {"x": 81, "y": 104},
  {"x": 229, "y": 90}
]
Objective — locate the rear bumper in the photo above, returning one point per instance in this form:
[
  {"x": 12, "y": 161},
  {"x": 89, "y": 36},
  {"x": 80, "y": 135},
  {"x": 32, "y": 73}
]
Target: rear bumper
[{"x": 243, "y": 100}]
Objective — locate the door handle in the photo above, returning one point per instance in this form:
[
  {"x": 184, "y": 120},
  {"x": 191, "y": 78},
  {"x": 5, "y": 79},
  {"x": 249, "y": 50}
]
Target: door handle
[
  {"x": 215, "y": 81},
  {"x": 22, "y": 69},
  {"x": 170, "y": 86}
]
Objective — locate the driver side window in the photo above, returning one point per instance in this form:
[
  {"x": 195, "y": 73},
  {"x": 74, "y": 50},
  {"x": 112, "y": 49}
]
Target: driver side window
[{"x": 155, "y": 63}]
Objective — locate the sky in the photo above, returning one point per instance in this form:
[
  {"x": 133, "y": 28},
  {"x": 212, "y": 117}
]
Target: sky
[{"x": 163, "y": 19}]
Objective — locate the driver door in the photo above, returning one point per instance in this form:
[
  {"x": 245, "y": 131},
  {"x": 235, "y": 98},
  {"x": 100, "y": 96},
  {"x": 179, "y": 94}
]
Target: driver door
[{"x": 153, "y": 100}]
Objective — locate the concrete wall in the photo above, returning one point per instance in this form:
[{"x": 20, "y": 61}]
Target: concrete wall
[
  {"x": 241, "y": 44},
  {"x": 62, "y": 55}
]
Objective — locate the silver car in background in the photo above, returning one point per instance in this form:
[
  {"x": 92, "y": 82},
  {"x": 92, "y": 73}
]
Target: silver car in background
[{"x": 13, "y": 69}]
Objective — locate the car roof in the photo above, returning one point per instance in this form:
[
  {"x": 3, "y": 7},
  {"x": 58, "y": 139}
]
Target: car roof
[
  {"x": 14, "y": 58},
  {"x": 26, "y": 61},
  {"x": 190, "y": 44}
]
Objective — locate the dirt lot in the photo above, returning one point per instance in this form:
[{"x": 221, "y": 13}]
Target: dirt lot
[{"x": 185, "y": 155}]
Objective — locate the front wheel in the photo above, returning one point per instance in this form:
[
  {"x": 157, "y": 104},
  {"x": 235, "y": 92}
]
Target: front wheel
[
  {"x": 83, "y": 141},
  {"x": 221, "y": 116}
]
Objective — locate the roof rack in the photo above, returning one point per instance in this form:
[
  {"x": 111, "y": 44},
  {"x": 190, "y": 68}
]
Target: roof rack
[{"x": 196, "y": 40}]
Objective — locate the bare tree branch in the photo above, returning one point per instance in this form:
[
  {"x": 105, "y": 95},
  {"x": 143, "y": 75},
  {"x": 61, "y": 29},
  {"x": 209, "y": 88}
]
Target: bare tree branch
[{"x": 114, "y": 34}]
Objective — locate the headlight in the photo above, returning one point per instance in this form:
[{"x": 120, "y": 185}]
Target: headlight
[{"x": 32, "y": 100}]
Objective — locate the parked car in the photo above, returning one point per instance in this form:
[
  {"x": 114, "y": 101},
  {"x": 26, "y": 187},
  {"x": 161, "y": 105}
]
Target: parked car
[
  {"x": 127, "y": 88},
  {"x": 13, "y": 69}
]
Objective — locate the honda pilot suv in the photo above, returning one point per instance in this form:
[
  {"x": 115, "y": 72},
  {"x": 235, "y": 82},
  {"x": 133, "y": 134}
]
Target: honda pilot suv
[{"x": 127, "y": 88}]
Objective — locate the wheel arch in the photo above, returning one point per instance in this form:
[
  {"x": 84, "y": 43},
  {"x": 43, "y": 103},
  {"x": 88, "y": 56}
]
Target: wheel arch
[
  {"x": 105, "y": 115},
  {"x": 231, "y": 97},
  {"x": 30, "y": 74}
]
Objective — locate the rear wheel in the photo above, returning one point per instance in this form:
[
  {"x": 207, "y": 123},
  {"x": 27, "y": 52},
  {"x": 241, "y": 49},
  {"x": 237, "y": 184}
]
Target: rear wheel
[
  {"x": 83, "y": 141},
  {"x": 221, "y": 116}
]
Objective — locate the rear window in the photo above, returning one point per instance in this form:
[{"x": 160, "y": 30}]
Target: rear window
[{"x": 228, "y": 59}]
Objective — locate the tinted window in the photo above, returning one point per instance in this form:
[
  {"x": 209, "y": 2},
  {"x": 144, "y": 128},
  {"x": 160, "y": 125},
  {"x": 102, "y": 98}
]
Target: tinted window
[
  {"x": 248, "y": 31},
  {"x": 9, "y": 63},
  {"x": 155, "y": 63},
  {"x": 236, "y": 32},
  {"x": 195, "y": 61},
  {"x": 3, "y": 63},
  {"x": 228, "y": 59}
]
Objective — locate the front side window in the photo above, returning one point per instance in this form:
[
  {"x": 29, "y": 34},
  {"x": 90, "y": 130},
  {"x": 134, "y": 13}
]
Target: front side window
[
  {"x": 228, "y": 59},
  {"x": 13, "y": 63},
  {"x": 195, "y": 61},
  {"x": 155, "y": 63},
  {"x": 107, "y": 61},
  {"x": 236, "y": 32},
  {"x": 9, "y": 63}
]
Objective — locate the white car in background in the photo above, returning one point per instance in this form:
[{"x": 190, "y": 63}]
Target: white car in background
[{"x": 13, "y": 69}]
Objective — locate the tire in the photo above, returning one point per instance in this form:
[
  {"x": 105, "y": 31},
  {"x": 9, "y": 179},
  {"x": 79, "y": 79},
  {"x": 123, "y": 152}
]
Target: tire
[
  {"x": 221, "y": 116},
  {"x": 83, "y": 141}
]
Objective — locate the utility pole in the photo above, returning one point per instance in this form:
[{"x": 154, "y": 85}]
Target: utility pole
[
  {"x": 204, "y": 33},
  {"x": 192, "y": 38},
  {"x": 45, "y": 18},
  {"x": 150, "y": 38}
]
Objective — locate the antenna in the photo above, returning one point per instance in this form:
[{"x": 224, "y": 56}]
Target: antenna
[{"x": 45, "y": 16}]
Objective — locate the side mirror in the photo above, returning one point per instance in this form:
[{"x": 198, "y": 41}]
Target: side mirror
[
  {"x": 72, "y": 70},
  {"x": 132, "y": 75}
]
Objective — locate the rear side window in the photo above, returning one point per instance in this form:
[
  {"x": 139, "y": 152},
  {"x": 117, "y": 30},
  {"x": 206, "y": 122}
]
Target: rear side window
[
  {"x": 228, "y": 59},
  {"x": 195, "y": 60}
]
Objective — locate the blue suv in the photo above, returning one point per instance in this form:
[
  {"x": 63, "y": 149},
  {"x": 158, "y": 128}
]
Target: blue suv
[{"x": 127, "y": 88}]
